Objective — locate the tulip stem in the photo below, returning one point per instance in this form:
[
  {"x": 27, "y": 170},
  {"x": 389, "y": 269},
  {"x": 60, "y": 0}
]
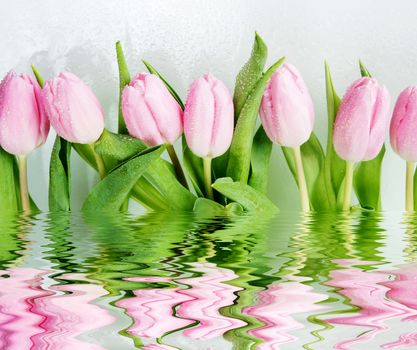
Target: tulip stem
[
  {"x": 177, "y": 165},
  {"x": 23, "y": 179},
  {"x": 301, "y": 180},
  {"x": 347, "y": 196},
  {"x": 101, "y": 168},
  {"x": 409, "y": 187},
  {"x": 207, "y": 177}
]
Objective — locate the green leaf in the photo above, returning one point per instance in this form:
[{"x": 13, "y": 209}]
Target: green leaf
[
  {"x": 250, "y": 199},
  {"x": 111, "y": 192},
  {"x": 9, "y": 189},
  {"x": 249, "y": 75},
  {"x": 246, "y": 80},
  {"x": 38, "y": 76},
  {"x": 124, "y": 79},
  {"x": 241, "y": 148},
  {"x": 335, "y": 167},
  {"x": 169, "y": 87},
  {"x": 178, "y": 197},
  {"x": 364, "y": 71},
  {"x": 321, "y": 196},
  {"x": 60, "y": 176},
  {"x": 367, "y": 182},
  {"x": 208, "y": 208},
  {"x": 261, "y": 154},
  {"x": 116, "y": 148},
  {"x": 160, "y": 182},
  {"x": 194, "y": 168}
]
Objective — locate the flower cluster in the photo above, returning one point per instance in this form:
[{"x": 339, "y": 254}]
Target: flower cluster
[{"x": 214, "y": 125}]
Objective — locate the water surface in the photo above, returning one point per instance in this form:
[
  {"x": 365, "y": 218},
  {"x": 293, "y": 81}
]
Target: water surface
[{"x": 181, "y": 281}]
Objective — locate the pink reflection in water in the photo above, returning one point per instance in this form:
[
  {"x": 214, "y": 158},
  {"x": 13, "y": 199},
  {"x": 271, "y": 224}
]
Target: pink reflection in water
[
  {"x": 152, "y": 309},
  {"x": 18, "y": 293},
  {"x": 206, "y": 296},
  {"x": 32, "y": 318},
  {"x": 369, "y": 291},
  {"x": 276, "y": 308}
]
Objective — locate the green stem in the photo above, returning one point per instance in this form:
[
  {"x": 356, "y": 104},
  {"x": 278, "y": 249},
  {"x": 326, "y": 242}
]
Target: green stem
[
  {"x": 409, "y": 187},
  {"x": 177, "y": 165},
  {"x": 301, "y": 180},
  {"x": 207, "y": 177},
  {"x": 23, "y": 179},
  {"x": 347, "y": 196},
  {"x": 101, "y": 168}
]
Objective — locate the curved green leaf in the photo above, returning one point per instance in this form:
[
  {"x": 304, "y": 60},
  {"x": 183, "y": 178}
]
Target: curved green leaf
[
  {"x": 111, "y": 192},
  {"x": 335, "y": 167},
  {"x": 9, "y": 189},
  {"x": 367, "y": 182},
  {"x": 124, "y": 79},
  {"x": 250, "y": 199},
  {"x": 261, "y": 155},
  {"x": 174, "y": 94},
  {"x": 249, "y": 74},
  {"x": 240, "y": 150},
  {"x": 60, "y": 176}
]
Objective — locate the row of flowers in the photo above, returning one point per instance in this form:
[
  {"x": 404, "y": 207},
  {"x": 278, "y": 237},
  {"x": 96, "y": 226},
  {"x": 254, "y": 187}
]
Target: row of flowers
[{"x": 214, "y": 125}]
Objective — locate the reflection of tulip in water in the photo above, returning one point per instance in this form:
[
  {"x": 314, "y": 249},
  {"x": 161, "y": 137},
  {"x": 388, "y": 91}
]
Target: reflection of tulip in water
[
  {"x": 18, "y": 323},
  {"x": 207, "y": 295},
  {"x": 276, "y": 306},
  {"x": 32, "y": 318},
  {"x": 70, "y": 315},
  {"x": 369, "y": 291},
  {"x": 152, "y": 308}
]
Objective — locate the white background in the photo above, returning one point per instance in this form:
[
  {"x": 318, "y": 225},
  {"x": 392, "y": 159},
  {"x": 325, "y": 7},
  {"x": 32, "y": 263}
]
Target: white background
[{"x": 185, "y": 39}]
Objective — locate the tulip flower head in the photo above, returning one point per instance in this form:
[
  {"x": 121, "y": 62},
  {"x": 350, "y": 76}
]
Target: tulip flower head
[
  {"x": 23, "y": 125},
  {"x": 362, "y": 121},
  {"x": 208, "y": 117},
  {"x": 403, "y": 128},
  {"x": 150, "y": 112},
  {"x": 286, "y": 111},
  {"x": 73, "y": 109}
]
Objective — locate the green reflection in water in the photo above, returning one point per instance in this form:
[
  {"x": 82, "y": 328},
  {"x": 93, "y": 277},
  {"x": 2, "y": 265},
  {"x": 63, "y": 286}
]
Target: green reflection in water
[{"x": 260, "y": 251}]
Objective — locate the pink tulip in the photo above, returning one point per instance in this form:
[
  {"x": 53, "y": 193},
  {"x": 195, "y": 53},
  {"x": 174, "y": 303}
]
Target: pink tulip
[
  {"x": 23, "y": 125},
  {"x": 73, "y": 109},
  {"x": 208, "y": 117},
  {"x": 362, "y": 121},
  {"x": 286, "y": 111},
  {"x": 150, "y": 112},
  {"x": 403, "y": 128}
]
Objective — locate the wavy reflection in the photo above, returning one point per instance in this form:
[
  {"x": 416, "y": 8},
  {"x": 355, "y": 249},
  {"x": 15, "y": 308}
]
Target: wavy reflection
[{"x": 165, "y": 281}]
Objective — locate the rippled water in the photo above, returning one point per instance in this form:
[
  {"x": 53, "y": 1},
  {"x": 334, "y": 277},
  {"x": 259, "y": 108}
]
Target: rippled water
[{"x": 177, "y": 281}]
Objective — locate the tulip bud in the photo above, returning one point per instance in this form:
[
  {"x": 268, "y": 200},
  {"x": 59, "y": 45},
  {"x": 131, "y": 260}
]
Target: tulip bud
[
  {"x": 403, "y": 128},
  {"x": 286, "y": 111},
  {"x": 208, "y": 117},
  {"x": 150, "y": 112},
  {"x": 23, "y": 125},
  {"x": 73, "y": 109},
  {"x": 362, "y": 121}
]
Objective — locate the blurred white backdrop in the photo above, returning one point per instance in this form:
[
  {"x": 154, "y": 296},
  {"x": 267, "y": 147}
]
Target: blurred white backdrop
[{"x": 185, "y": 39}]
